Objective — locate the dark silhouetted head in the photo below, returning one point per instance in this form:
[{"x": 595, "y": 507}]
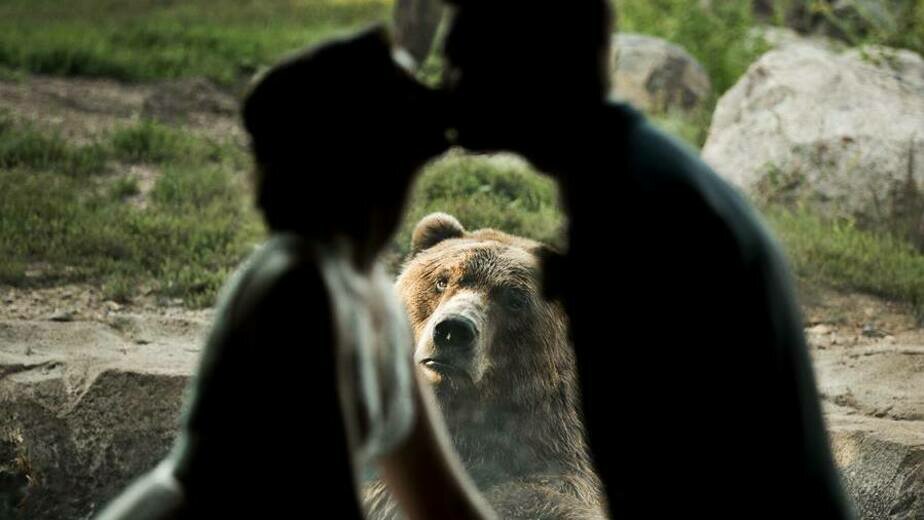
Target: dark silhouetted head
[
  {"x": 524, "y": 59},
  {"x": 338, "y": 132}
]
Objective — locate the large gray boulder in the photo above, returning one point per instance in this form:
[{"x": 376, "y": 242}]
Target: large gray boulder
[
  {"x": 85, "y": 408},
  {"x": 840, "y": 132},
  {"x": 656, "y": 75}
]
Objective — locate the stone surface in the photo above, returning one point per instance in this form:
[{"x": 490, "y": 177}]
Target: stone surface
[
  {"x": 840, "y": 132},
  {"x": 874, "y": 400},
  {"x": 882, "y": 464},
  {"x": 84, "y": 409},
  {"x": 85, "y": 406},
  {"x": 656, "y": 75}
]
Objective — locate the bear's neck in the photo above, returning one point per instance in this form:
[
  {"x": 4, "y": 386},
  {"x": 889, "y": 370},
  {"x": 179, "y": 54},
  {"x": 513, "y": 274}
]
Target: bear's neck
[{"x": 500, "y": 438}]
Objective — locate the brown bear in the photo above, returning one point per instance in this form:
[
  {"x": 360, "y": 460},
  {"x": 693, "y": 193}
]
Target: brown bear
[{"x": 503, "y": 371}]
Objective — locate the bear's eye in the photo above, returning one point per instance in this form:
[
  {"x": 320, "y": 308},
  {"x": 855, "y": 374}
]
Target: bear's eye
[
  {"x": 442, "y": 283},
  {"x": 515, "y": 299}
]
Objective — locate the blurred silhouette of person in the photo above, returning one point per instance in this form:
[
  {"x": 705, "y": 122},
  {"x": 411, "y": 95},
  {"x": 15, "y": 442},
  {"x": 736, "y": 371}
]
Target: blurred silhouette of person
[
  {"x": 307, "y": 376},
  {"x": 699, "y": 396}
]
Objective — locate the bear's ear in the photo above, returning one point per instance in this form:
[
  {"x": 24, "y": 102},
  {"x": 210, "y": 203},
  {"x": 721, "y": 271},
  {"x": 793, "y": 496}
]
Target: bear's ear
[{"x": 433, "y": 229}]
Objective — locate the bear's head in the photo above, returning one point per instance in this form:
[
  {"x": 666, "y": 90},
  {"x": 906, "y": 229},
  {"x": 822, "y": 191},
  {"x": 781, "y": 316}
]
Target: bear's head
[
  {"x": 496, "y": 351},
  {"x": 478, "y": 315}
]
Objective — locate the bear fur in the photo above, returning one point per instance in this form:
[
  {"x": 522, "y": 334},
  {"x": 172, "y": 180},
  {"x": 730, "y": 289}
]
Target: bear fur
[{"x": 502, "y": 369}]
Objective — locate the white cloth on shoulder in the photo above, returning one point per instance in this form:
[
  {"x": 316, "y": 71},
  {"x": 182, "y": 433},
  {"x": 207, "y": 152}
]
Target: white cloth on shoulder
[{"x": 374, "y": 364}]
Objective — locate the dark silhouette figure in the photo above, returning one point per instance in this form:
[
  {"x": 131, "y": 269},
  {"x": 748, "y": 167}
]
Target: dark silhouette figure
[
  {"x": 699, "y": 397},
  {"x": 307, "y": 377}
]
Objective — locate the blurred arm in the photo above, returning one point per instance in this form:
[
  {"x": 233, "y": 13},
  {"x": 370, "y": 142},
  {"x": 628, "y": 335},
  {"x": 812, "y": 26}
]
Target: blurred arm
[
  {"x": 424, "y": 474},
  {"x": 155, "y": 496}
]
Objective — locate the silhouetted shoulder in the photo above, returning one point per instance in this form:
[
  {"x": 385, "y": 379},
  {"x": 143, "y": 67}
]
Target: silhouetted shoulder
[
  {"x": 271, "y": 271},
  {"x": 687, "y": 192},
  {"x": 713, "y": 304}
]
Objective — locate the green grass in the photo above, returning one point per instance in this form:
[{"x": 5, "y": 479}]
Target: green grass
[
  {"x": 896, "y": 24},
  {"x": 224, "y": 40},
  {"x": 199, "y": 222},
  {"x": 839, "y": 254},
  {"x": 197, "y": 225},
  {"x": 503, "y": 193},
  {"x": 67, "y": 210},
  {"x": 195, "y": 231},
  {"x": 152, "y": 142},
  {"x": 24, "y": 147}
]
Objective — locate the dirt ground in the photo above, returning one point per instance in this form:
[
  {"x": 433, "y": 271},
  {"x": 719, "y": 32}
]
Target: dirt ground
[{"x": 869, "y": 356}]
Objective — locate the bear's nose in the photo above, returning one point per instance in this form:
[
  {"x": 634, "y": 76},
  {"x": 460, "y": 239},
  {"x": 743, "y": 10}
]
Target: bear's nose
[{"x": 454, "y": 332}]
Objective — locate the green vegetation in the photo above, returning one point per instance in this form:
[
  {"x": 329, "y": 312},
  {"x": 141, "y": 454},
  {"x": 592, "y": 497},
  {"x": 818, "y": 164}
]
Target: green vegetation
[
  {"x": 838, "y": 253},
  {"x": 224, "y": 40},
  {"x": 198, "y": 222},
  {"x": 24, "y": 147},
  {"x": 89, "y": 212},
  {"x": 717, "y": 34},
  {"x": 501, "y": 192},
  {"x": 74, "y": 223},
  {"x": 894, "y": 24},
  {"x": 78, "y": 236}
]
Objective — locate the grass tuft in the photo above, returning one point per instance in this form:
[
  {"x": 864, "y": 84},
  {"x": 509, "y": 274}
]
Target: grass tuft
[{"x": 839, "y": 254}]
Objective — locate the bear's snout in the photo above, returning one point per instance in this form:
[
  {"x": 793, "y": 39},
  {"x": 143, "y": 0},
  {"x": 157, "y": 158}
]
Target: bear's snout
[
  {"x": 451, "y": 343},
  {"x": 455, "y": 333}
]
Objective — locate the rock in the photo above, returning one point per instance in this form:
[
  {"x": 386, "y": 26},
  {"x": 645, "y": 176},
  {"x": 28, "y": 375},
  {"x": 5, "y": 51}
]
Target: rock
[
  {"x": 871, "y": 331},
  {"x": 656, "y": 75},
  {"x": 62, "y": 316},
  {"x": 885, "y": 376},
  {"x": 820, "y": 329},
  {"x": 842, "y": 133},
  {"x": 882, "y": 465},
  {"x": 84, "y": 414},
  {"x": 875, "y": 416}
]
